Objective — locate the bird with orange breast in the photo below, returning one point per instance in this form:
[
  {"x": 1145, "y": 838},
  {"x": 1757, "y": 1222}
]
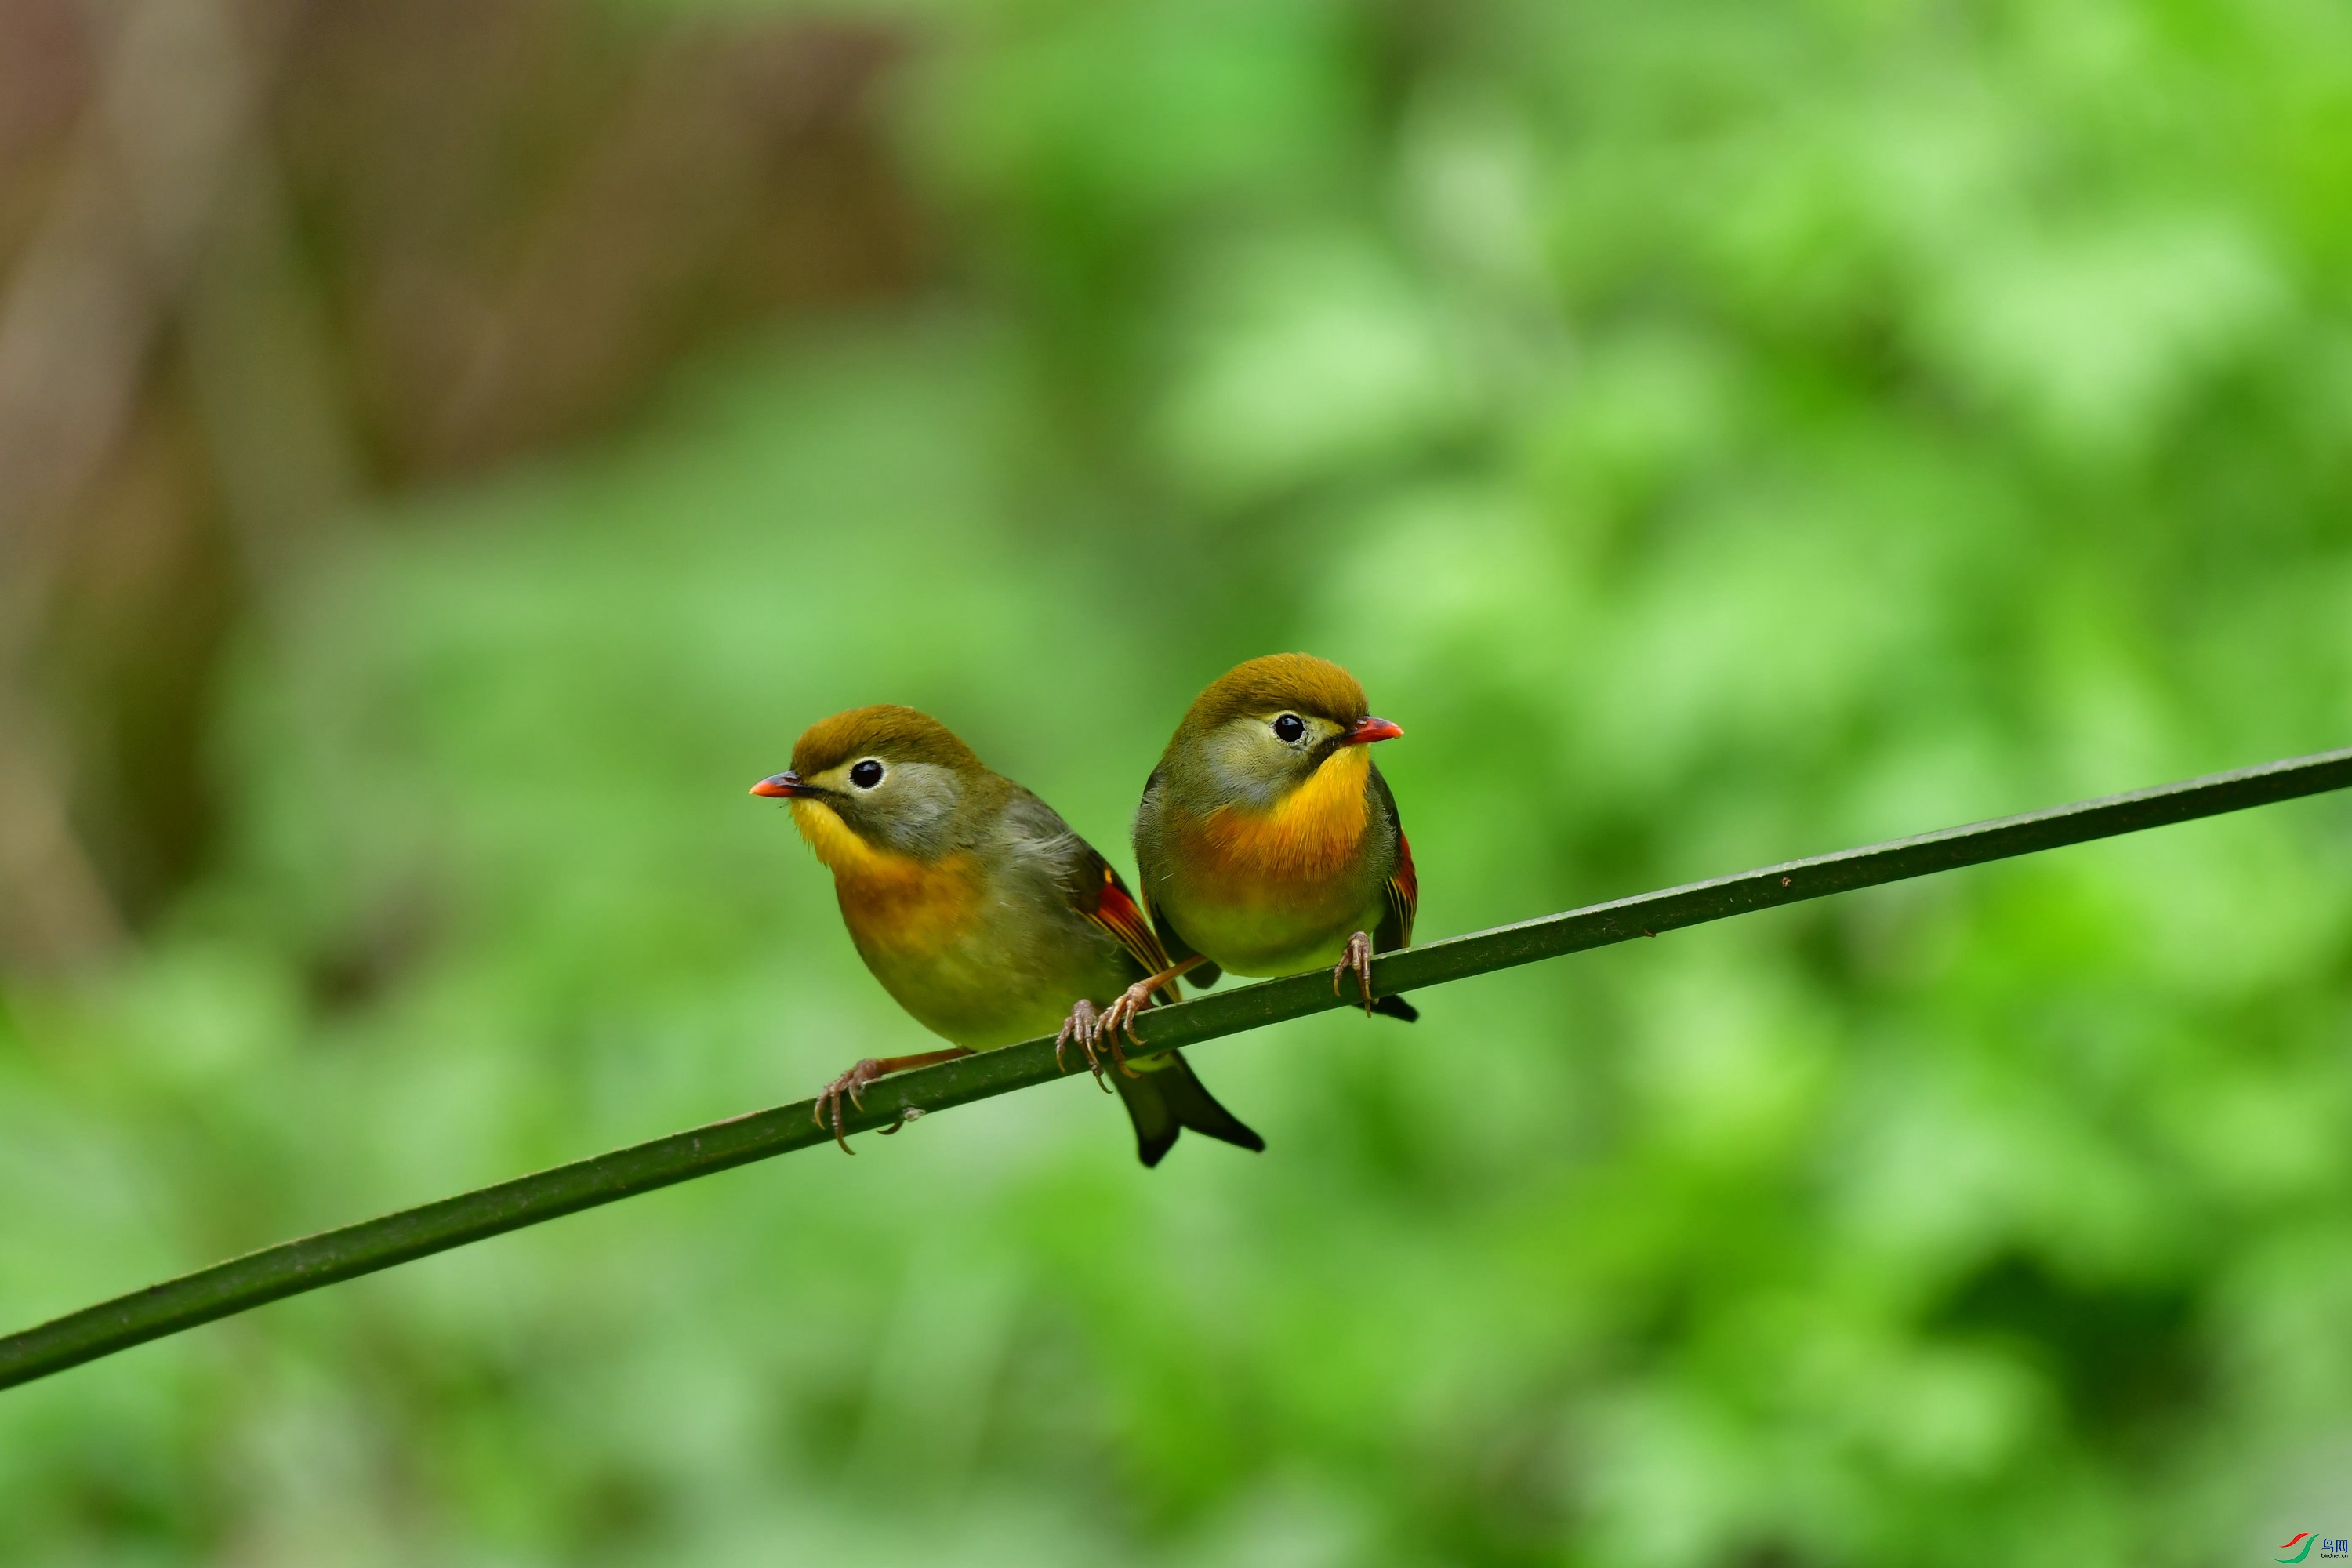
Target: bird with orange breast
[
  {"x": 980, "y": 912},
  {"x": 1267, "y": 841}
]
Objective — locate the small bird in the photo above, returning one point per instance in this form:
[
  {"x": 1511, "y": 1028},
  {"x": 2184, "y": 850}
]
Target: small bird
[
  {"x": 980, "y": 911},
  {"x": 1267, "y": 842}
]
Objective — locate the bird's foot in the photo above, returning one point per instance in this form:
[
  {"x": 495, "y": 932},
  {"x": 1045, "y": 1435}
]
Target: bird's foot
[
  {"x": 1356, "y": 961},
  {"x": 1119, "y": 1019},
  {"x": 852, "y": 1084},
  {"x": 1085, "y": 1026}
]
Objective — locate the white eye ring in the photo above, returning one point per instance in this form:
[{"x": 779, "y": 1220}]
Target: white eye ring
[
  {"x": 1297, "y": 728},
  {"x": 867, "y": 773}
]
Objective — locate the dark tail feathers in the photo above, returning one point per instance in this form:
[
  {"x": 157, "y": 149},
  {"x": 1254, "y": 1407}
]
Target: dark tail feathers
[{"x": 1165, "y": 1098}]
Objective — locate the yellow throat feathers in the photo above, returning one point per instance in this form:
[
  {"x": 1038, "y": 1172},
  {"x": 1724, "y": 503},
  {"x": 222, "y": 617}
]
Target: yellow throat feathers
[
  {"x": 888, "y": 898},
  {"x": 1307, "y": 836}
]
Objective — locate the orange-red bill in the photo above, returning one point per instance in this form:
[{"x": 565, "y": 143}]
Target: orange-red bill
[
  {"x": 1369, "y": 729},
  {"x": 782, "y": 785}
]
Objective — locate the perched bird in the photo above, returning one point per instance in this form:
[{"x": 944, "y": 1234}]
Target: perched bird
[
  {"x": 1267, "y": 842},
  {"x": 979, "y": 910}
]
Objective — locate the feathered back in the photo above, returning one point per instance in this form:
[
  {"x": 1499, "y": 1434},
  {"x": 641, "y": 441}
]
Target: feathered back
[
  {"x": 1297, "y": 682},
  {"x": 885, "y": 730}
]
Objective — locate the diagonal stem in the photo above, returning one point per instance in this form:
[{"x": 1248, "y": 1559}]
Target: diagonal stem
[{"x": 293, "y": 1266}]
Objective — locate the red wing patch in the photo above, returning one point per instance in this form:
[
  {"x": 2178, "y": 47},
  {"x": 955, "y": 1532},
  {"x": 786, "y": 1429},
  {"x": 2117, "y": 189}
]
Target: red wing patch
[
  {"x": 1404, "y": 889},
  {"x": 1117, "y": 912}
]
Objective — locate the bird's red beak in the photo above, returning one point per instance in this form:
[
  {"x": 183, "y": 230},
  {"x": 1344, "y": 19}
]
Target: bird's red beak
[
  {"x": 1369, "y": 729},
  {"x": 784, "y": 785}
]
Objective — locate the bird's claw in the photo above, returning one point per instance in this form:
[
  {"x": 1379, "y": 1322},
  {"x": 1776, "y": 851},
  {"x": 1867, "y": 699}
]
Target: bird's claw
[
  {"x": 1356, "y": 961},
  {"x": 1085, "y": 1026},
  {"x": 1119, "y": 1019},
  {"x": 853, "y": 1084}
]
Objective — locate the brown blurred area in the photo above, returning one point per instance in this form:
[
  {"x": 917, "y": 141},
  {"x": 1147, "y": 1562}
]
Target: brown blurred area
[{"x": 260, "y": 259}]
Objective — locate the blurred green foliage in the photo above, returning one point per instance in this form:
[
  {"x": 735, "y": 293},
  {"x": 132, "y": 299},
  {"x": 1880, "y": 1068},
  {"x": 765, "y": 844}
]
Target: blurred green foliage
[{"x": 1716, "y": 434}]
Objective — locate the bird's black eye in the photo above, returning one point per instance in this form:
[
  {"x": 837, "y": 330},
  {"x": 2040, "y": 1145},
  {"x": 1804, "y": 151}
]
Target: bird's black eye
[
  {"x": 1288, "y": 728},
  {"x": 866, "y": 775}
]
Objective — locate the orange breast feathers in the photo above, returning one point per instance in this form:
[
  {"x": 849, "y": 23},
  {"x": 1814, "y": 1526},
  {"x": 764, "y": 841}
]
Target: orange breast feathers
[
  {"x": 1311, "y": 837},
  {"x": 890, "y": 899}
]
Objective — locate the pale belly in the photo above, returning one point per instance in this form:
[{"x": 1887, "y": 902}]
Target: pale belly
[
  {"x": 982, "y": 990},
  {"x": 1274, "y": 934}
]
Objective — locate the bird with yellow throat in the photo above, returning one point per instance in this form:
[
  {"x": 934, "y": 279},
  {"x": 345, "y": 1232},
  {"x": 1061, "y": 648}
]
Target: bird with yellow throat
[
  {"x": 1267, "y": 841},
  {"x": 980, "y": 912}
]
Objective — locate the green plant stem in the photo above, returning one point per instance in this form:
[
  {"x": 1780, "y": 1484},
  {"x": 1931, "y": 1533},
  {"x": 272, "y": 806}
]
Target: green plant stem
[{"x": 293, "y": 1266}]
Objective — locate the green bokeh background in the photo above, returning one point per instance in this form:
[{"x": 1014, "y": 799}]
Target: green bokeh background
[{"x": 1716, "y": 434}]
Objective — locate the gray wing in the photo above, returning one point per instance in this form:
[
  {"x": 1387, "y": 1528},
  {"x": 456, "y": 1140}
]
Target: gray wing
[{"x": 1092, "y": 886}]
